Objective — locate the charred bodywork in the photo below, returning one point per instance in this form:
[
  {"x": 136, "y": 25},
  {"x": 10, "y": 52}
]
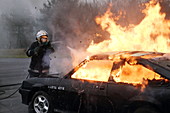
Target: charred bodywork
[{"x": 71, "y": 94}]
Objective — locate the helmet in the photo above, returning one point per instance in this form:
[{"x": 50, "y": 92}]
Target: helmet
[{"x": 41, "y": 33}]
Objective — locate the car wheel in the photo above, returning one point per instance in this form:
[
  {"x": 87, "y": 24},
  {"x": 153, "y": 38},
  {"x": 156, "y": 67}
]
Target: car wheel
[
  {"x": 146, "y": 109},
  {"x": 41, "y": 103}
]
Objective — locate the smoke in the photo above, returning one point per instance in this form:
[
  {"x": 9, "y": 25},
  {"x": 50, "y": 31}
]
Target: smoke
[
  {"x": 17, "y": 19},
  {"x": 72, "y": 23}
]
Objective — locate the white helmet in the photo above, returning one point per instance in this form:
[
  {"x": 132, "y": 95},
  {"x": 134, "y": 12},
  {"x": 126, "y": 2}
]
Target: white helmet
[{"x": 41, "y": 33}]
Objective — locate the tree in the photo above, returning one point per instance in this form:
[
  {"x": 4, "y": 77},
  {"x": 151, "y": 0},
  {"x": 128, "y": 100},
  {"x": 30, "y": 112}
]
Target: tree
[{"x": 19, "y": 29}]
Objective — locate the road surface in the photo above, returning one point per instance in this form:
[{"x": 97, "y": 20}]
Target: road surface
[{"x": 12, "y": 71}]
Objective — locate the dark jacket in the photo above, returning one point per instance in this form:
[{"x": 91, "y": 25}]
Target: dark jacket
[{"x": 40, "y": 55}]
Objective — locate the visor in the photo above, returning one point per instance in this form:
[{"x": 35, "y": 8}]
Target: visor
[{"x": 44, "y": 36}]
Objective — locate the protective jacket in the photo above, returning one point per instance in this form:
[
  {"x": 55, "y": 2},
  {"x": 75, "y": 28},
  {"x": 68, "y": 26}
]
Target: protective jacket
[{"x": 39, "y": 54}]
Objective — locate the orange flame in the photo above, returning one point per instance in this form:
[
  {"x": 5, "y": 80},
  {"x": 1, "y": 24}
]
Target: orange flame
[
  {"x": 151, "y": 34},
  {"x": 95, "y": 70},
  {"x": 134, "y": 74},
  {"x": 126, "y": 71}
]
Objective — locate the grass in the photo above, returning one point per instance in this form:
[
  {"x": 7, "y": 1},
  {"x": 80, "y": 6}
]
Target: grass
[{"x": 12, "y": 53}]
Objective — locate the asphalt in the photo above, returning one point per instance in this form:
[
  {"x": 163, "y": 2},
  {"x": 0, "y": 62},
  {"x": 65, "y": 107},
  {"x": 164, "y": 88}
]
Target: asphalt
[{"x": 12, "y": 71}]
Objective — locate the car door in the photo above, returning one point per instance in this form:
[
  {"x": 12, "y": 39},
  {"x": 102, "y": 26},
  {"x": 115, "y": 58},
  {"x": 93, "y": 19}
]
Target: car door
[
  {"x": 68, "y": 95},
  {"x": 95, "y": 97},
  {"x": 119, "y": 93},
  {"x": 75, "y": 94}
]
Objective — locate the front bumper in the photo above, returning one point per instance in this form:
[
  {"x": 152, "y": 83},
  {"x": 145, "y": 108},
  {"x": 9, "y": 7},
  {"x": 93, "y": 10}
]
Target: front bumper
[{"x": 25, "y": 94}]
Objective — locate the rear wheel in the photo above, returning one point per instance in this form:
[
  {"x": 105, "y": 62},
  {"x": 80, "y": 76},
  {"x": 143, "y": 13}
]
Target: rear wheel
[
  {"x": 146, "y": 109},
  {"x": 41, "y": 103}
]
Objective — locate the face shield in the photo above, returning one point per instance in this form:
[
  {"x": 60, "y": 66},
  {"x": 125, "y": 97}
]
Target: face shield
[{"x": 44, "y": 40}]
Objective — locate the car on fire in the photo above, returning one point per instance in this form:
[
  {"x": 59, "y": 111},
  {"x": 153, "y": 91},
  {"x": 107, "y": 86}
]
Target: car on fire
[{"x": 115, "y": 82}]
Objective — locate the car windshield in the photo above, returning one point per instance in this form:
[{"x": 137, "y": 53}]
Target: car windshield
[{"x": 96, "y": 70}]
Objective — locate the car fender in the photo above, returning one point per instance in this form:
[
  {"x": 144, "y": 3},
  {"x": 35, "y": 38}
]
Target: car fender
[
  {"x": 38, "y": 85},
  {"x": 35, "y": 88}
]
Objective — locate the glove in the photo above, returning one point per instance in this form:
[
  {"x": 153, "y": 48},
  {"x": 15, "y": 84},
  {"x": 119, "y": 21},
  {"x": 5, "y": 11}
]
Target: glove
[
  {"x": 45, "y": 43},
  {"x": 36, "y": 50}
]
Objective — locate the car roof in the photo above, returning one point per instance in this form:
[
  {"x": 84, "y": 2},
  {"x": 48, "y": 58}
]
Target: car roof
[{"x": 132, "y": 53}]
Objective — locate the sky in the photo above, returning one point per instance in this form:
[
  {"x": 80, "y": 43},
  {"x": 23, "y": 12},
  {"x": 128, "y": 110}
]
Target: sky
[{"x": 32, "y": 6}]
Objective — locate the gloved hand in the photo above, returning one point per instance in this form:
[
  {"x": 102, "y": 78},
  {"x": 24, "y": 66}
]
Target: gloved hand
[
  {"x": 36, "y": 50},
  {"x": 45, "y": 43}
]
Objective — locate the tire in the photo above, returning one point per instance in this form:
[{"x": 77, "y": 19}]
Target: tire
[
  {"x": 146, "y": 109},
  {"x": 40, "y": 103}
]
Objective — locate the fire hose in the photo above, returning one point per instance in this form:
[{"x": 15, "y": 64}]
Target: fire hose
[
  {"x": 2, "y": 92},
  {"x": 8, "y": 85}
]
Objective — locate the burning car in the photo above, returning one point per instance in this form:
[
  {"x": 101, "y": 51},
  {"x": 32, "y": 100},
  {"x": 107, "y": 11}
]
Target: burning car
[{"x": 116, "y": 82}]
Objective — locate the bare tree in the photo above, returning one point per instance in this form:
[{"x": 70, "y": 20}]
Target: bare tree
[{"x": 18, "y": 29}]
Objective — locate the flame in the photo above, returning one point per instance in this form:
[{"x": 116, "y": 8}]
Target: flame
[
  {"x": 151, "y": 34},
  {"x": 94, "y": 70},
  {"x": 122, "y": 68},
  {"x": 134, "y": 74}
]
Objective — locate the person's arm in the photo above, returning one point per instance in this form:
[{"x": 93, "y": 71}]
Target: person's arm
[
  {"x": 32, "y": 50},
  {"x": 50, "y": 47}
]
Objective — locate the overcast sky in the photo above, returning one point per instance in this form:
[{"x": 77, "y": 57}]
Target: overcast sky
[{"x": 31, "y": 6}]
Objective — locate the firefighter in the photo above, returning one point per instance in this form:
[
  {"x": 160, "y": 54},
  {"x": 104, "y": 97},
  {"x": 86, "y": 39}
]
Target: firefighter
[{"x": 39, "y": 52}]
